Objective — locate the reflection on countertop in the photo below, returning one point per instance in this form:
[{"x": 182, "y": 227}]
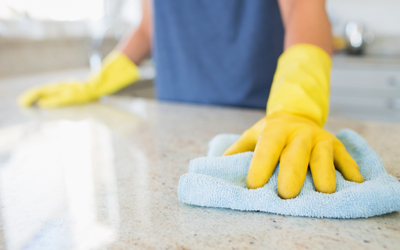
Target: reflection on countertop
[
  {"x": 105, "y": 176},
  {"x": 58, "y": 186}
]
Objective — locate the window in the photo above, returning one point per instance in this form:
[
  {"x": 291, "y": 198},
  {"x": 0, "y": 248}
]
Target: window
[
  {"x": 55, "y": 18},
  {"x": 55, "y": 10}
]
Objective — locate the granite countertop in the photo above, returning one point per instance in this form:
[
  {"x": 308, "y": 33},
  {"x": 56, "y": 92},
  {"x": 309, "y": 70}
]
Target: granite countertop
[{"x": 105, "y": 176}]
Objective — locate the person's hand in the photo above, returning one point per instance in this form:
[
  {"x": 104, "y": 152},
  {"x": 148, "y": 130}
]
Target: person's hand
[
  {"x": 116, "y": 73},
  {"x": 297, "y": 142},
  {"x": 56, "y": 95},
  {"x": 292, "y": 130}
]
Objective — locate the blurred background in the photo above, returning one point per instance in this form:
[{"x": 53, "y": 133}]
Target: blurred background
[{"x": 48, "y": 40}]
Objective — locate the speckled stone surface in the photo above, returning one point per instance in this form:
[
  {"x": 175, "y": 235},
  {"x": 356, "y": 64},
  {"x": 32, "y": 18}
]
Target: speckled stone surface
[{"x": 105, "y": 176}]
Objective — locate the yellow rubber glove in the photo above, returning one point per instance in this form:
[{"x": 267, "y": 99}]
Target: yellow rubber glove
[
  {"x": 117, "y": 72},
  {"x": 292, "y": 130}
]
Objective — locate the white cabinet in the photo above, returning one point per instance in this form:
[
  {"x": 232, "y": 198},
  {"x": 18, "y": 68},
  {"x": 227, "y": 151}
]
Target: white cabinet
[{"x": 365, "y": 88}]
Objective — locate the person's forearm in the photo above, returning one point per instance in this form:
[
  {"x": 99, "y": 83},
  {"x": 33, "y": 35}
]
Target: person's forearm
[
  {"x": 306, "y": 21},
  {"x": 137, "y": 46}
]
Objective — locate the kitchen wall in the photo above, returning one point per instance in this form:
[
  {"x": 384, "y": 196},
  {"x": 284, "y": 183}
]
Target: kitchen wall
[
  {"x": 43, "y": 46},
  {"x": 381, "y": 16}
]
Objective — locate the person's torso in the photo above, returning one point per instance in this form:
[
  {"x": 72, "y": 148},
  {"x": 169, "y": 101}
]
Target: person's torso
[{"x": 216, "y": 52}]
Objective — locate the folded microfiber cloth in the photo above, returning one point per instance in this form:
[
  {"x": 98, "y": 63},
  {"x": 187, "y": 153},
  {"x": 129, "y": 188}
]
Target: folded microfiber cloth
[{"x": 220, "y": 181}]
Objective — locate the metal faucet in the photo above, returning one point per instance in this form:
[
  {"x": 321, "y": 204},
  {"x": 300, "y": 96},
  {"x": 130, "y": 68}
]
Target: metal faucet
[
  {"x": 95, "y": 55},
  {"x": 357, "y": 37},
  {"x": 112, "y": 9}
]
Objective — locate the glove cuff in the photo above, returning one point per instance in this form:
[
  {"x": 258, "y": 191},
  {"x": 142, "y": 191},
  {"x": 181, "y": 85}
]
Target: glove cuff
[
  {"x": 117, "y": 72},
  {"x": 301, "y": 83}
]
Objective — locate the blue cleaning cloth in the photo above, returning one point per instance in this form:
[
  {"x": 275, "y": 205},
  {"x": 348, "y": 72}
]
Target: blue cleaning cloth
[{"x": 220, "y": 181}]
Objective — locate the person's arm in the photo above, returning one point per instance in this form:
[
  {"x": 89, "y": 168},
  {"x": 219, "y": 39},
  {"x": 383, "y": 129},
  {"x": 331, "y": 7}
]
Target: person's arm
[
  {"x": 119, "y": 69},
  {"x": 306, "y": 21},
  {"x": 137, "y": 46}
]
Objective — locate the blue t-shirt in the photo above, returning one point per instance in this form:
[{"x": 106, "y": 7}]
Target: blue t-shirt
[{"x": 221, "y": 52}]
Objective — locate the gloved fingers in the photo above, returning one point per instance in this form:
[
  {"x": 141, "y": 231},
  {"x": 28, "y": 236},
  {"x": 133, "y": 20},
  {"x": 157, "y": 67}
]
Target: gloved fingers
[
  {"x": 322, "y": 167},
  {"x": 247, "y": 141},
  {"x": 34, "y": 94},
  {"x": 345, "y": 164},
  {"x": 293, "y": 166},
  {"x": 244, "y": 144},
  {"x": 55, "y": 100},
  {"x": 27, "y": 98},
  {"x": 265, "y": 158}
]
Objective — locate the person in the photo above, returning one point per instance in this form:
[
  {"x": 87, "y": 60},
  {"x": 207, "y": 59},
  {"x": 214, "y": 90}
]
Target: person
[{"x": 230, "y": 53}]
